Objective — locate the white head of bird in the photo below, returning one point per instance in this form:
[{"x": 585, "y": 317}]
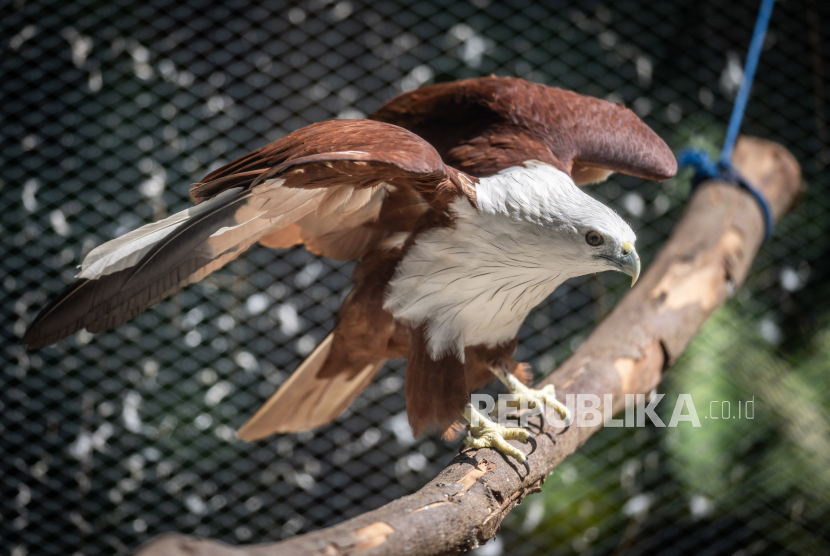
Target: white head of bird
[
  {"x": 475, "y": 283},
  {"x": 584, "y": 235}
]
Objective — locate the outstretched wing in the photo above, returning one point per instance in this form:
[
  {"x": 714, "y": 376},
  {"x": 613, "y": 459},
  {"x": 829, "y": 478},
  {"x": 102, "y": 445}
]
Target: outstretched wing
[
  {"x": 332, "y": 185},
  {"x": 486, "y": 124}
]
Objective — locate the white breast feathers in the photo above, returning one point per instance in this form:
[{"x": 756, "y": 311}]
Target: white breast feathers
[{"x": 475, "y": 283}]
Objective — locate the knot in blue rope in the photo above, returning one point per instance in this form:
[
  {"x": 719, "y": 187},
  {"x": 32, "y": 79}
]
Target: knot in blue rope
[{"x": 706, "y": 169}]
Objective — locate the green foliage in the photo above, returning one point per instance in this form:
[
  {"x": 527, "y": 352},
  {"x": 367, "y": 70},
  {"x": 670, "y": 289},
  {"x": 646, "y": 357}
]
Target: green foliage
[
  {"x": 776, "y": 460},
  {"x": 786, "y": 444}
]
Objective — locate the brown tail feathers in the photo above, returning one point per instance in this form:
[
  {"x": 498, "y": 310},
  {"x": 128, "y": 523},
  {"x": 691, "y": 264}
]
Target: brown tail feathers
[{"x": 306, "y": 400}]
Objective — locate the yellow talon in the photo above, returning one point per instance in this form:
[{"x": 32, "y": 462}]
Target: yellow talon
[
  {"x": 531, "y": 396},
  {"x": 484, "y": 433}
]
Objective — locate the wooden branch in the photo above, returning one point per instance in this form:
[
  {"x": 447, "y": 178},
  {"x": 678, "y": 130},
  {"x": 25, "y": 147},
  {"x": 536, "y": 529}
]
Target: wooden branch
[{"x": 707, "y": 256}]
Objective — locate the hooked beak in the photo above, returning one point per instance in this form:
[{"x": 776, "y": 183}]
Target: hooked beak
[{"x": 630, "y": 262}]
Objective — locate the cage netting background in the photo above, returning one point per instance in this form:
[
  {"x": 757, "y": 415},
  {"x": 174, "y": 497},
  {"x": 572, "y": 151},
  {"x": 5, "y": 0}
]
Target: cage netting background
[{"x": 110, "y": 109}]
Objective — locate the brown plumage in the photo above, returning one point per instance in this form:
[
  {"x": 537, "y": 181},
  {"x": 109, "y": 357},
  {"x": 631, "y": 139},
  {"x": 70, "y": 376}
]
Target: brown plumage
[
  {"x": 487, "y": 124},
  {"x": 363, "y": 189}
]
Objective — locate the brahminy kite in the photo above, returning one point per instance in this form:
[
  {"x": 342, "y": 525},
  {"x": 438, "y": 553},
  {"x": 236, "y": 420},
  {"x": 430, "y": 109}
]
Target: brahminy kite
[{"x": 461, "y": 202}]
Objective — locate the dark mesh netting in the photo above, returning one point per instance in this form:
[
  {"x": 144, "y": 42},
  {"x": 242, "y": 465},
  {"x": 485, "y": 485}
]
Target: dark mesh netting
[{"x": 111, "y": 109}]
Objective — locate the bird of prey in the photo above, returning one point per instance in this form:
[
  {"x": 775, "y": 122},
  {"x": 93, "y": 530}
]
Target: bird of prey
[{"x": 461, "y": 202}]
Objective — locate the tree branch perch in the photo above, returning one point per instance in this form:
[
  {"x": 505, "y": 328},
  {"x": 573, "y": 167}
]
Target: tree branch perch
[{"x": 707, "y": 256}]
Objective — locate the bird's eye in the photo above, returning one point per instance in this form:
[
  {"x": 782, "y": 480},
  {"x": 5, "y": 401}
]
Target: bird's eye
[{"x": 594, "y": 238}]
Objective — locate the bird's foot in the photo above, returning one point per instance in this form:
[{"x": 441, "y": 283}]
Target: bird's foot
[
  {"x": 485, "y": 433},
  {"x": 541, "y": 398}
]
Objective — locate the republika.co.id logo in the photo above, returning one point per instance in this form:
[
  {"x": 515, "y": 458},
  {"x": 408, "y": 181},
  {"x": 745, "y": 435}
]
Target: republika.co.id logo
[{"x": 589, "y": 410}]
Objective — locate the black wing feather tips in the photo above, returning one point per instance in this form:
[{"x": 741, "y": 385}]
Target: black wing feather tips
[{"x": 112, "y": 299}]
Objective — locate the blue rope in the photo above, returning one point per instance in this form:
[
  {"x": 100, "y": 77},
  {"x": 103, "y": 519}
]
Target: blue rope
[
  {"x": 723, "y": 170},
  {"x": 752, "y": 57}
]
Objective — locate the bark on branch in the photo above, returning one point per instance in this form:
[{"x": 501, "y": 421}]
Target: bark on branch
[{"x": 707, "y": 256}]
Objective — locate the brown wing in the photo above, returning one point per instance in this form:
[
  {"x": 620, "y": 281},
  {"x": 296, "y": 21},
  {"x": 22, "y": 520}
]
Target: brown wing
[
  {"x": 486, "y": 124},
  {"x": 322, "y": 184}
]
